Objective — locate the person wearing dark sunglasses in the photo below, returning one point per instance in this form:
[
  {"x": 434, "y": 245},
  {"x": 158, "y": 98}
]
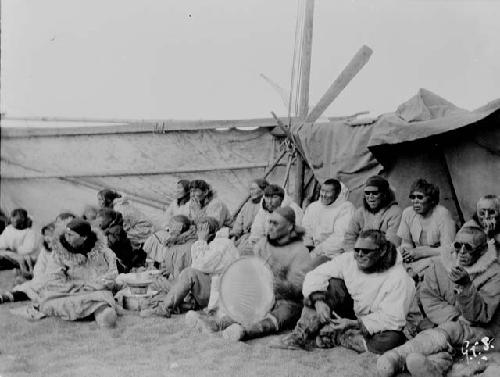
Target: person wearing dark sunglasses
[
  {"x": 460, "y": 294},
  {"x": 487, "y": 217},
  {"x": 379, "y": 211},
  {"x": 359, "y": 300},
  {"x": 426, "y": 227}
]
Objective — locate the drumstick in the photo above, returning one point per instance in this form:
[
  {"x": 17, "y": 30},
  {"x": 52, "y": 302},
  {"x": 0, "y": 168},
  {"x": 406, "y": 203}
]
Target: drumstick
[{"x": 335, "y": 315}]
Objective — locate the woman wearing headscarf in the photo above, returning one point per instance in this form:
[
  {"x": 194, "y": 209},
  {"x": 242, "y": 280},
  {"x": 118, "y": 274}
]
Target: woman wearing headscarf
[
  {"x": 204, "y": 203},
  {"x": 379, "y": 211},
  {"x": 136, "y": 225},
  {"x": 426, "y": 228},
  {"x": 243, "y": 223},
  {"x": 111, "y": 223}
]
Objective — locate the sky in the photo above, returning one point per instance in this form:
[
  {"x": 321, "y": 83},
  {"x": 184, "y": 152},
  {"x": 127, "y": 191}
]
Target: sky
[{"x": 201, "y": 59}]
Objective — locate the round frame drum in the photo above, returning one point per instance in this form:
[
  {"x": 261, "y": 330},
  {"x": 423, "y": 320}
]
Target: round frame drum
[{"x": 246, "y": 290}]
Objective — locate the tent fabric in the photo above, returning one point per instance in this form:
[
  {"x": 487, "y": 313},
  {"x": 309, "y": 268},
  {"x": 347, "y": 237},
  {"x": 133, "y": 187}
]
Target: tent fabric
[
  {"x": 427, "y": 137},
  {"x": 337, "y": 150},
  {"x": 423, "y": 116},
  {"x": 38, "y": 173},
  {"x": 474, "y": 164}
]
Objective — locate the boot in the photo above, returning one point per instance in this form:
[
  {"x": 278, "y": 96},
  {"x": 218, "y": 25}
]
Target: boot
[
  {"x": 435, "y": 365},
  {"x": 234, "y": 332},
  {"x": 207, "y": 324},
  {"x": 353, "y": 340},
  {"x": 470, "y": 368},
  {"x": 296, "y": 340},
  {"x": 264, "y": 327},
  {"x": 307, "y": 327},
  {"x": 427, "y": 342},
  {"x": 257, "y": 330},
  {"x": 106, "y": 317}
]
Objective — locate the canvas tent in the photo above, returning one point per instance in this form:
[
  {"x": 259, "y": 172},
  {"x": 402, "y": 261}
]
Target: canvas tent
[
  {"x": 48, "y": 167},
  {"x": 426, "y": 137}
]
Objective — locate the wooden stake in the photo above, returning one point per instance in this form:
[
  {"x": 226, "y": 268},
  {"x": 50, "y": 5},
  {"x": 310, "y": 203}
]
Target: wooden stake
[
  {"x": 305, "y": 59},
  {"x": 350, "y": 71}
]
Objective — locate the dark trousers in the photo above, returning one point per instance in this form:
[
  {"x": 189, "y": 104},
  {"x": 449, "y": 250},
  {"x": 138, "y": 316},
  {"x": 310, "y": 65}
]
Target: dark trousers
[
  {"x": 193, "y": 282},
  {"x": 339, "y": 300},
  {"x": 286, "y": 313},
  {"x": 13, "y": 296}
]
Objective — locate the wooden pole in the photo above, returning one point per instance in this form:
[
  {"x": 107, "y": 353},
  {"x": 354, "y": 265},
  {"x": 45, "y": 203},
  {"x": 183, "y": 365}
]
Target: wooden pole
[
  {"x": 305, "y": 59},
  {"x": 306, "y": 51},
  {"x": 350, "y": 71},
  {"x": 122, "y": 173}
]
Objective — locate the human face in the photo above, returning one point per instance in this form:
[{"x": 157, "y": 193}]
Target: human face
[
  {"x": 273, "y": 202},
  {"x": 255, "y": 191},
  {"x": 420, "y": 202},
  {"x": 179, "y": 191},
  {"x": 467, "y": 251},
  {"x": 101, "y": 201},
  {"x": 279, "y": 227},
  {"x": 373, "y": 197},
  {"x": 73, "y": 238},
  {"x": 197, "y": 195},
  {"x": 18, "y": 220},
  {"x": 327, "y": 194},
  {"x": 366, "y": 253},
  {"x": 487, "y": 214},
  {"x": 47, "y": 237},
  {"x": 99, "y": 221}
]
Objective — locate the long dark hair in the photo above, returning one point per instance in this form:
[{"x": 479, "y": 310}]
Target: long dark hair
[
  {"x": 25, "y": 222},
  {"x": 187, "y": 194},
  {"x": 205, "y": 187},
  {"x": 110, "y": 218},
  {"x": 108, "y": 196}
]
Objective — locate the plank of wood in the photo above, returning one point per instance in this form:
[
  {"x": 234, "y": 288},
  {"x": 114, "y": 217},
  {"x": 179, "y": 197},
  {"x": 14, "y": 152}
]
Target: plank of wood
[
  {"x": 350, "y": 71},
  {"x": 121, "y": 173},
  {"x": 305, "y": 72},
  {"x": 305, "y": 59},
  {"x": 130, "y": 127}
]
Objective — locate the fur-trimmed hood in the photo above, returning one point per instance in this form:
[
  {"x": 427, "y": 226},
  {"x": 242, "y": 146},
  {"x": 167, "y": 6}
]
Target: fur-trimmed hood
[
  {"x": 100, "y": 248},
  {"x": 449, "y": 259}
]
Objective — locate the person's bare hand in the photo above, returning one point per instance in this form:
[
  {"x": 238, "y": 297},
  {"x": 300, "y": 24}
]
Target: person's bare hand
[
  {"x": 343, "y": 324},
  {"x": 409, "y": 255},
  {"x": 458, "y": 275},
  {"x": 323, "y": 311},
  {"x": 203, "y": 231}
]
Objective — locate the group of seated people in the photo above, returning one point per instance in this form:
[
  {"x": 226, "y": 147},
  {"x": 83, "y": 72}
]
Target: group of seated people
[{"x": 403, "y": 284}]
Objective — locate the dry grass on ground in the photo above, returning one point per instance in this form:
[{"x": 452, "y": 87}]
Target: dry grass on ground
[{"x": 153, "y": 347}]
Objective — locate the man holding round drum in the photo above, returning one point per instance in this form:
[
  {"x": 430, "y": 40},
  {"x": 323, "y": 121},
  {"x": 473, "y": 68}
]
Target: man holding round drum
[{"x": 289, "y": 261}]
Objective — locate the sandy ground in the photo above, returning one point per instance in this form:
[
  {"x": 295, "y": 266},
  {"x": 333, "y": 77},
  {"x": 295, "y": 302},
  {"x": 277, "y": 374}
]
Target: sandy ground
[{"x": 153, "y": 347}]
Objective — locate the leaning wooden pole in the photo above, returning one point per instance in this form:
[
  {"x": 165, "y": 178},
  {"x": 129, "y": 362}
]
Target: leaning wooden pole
[
  {"x": 350, "y": 71},
  {"x": 305, "y": 60}
]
